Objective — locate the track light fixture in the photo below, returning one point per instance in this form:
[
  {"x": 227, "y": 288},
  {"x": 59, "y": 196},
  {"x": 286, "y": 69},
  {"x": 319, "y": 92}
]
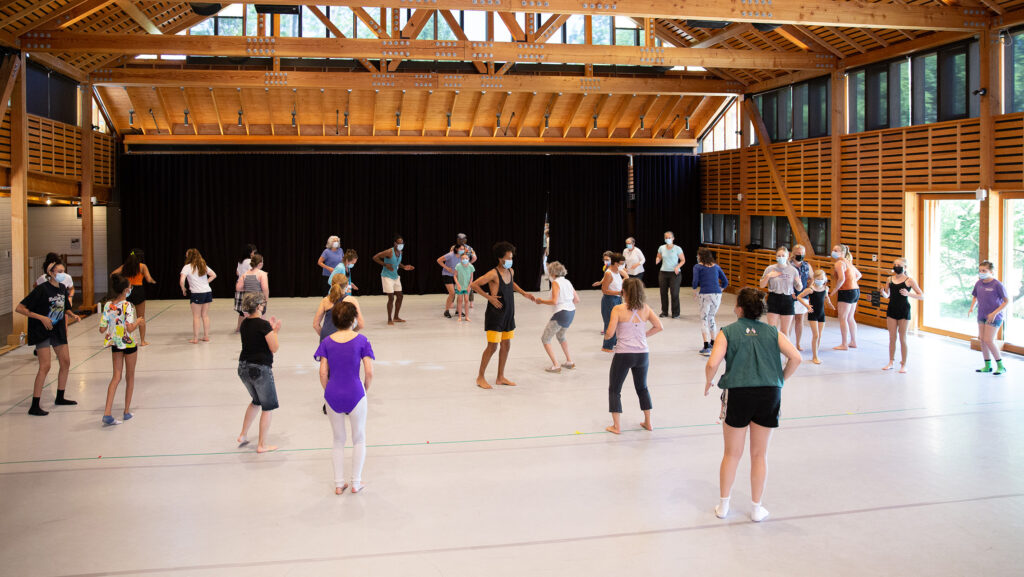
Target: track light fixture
[
  {"x": 547, "y": 115},
  {"x": 498, "y": 116},
  {"x": 293, "y": 118},
  {"x": 239, "y": 117},
  {"x": 131, "y": 117},
  {"x": 153, "y": 116},
  {"x": 186, "y": 117},
  {"x": 595, "y": 122},
  {"x": 641, "y": 122},
  {"x": 686, "y": 126},
  {"x": 449, "y": 115},
  {"x": 346, "y": 119},
  {"x": 398, "y": 119}
]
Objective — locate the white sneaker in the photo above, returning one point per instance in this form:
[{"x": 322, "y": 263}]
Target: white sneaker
[
  {"x": 758, "y": 514},
  {"x": 721, "y": 511}
]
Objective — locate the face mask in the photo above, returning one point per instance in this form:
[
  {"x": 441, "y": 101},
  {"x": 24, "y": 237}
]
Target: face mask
[
  {"x": 400, "y": 246},
  {"x": 897, "y": 269},
  {"x": 61, "y": 277},
  {"x": 507, "y": 264},
  {"x": 819, "y": 282},
  {"x": 465, "y": 261},
  {"x": 836, "y": 254},
  {"x": 462, "y": 251},
  {"x": 335, "y": 245},
  {"x": 798, "y": 257},
  {"x": 781, "y": 259},
  {"x": 607, "y": 263},
  {"x": 669, "y": 241},
  {"x": 355, "y": 324},
  {"x": 629, "y": 246},
  {"x": 129, "y": 293},
  {"x": 351, "y": 266},
  {"x": 981, "y": 275}
]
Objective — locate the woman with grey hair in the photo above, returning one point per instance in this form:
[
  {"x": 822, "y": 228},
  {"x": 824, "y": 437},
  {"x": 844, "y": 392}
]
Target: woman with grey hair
[
  {"x": 564, "y": 298},
  {"x": 634, "y": 259},
  {"x": 329, "y": 258},
  {"x": 259, "y": 343}
]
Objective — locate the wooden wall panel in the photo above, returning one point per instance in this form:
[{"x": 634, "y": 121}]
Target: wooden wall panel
[
  {"x": 55, "y": 152},
  {"x": 877, "y": 169}
]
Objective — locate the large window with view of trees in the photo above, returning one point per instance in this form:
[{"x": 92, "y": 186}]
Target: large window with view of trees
[
  {"x": 1013, "y": 56},
  {"x": 797, "y": 111}
]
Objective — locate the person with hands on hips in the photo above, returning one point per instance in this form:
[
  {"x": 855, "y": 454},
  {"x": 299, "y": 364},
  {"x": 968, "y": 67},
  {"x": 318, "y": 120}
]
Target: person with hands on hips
[{"x": 671, "y": 259}]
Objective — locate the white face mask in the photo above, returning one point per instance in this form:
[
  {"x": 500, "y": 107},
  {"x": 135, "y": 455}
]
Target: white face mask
[
  {"x": 400, "y": 246},
  {"x": 781, "y": 259},
  {"x": 669, "y": 240},
  {"x": 335, "y": 245},
  {"x": 837, "y": 254},
  {"x": 819, "y": 282}
]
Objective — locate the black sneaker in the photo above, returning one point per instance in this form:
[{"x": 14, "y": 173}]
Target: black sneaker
[
  {"x": 663, "y": 315},
  {"x": 447, "y": 315},
  {"x": 675, "y": 316}
]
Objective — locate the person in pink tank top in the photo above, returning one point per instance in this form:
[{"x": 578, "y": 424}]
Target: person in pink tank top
[{"x": 628, "y": 323}]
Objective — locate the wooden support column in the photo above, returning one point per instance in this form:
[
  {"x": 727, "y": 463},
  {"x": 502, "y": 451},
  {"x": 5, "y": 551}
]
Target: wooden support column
[
  {"x": 799, "y": 232},
  {"x": 85, "y": 196},
  {"x": 19, "y": 201},
  {"x": 838, "y": 126},
  {"x": 746, "y": 169},
  {"x": 988, "y": 243}
]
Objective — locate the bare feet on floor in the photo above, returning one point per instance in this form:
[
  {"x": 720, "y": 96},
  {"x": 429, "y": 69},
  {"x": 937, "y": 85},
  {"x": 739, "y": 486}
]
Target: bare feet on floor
[
  {"x": 398, "y": 320},
  {"x": 144, "y": 344},
  {"x": 391, "y": 322},
  {"x": 482, "y": 383},
  {"x": 341, "y": 490},
  {"x": 357, "y": 486},
  {"x": 799, "y": 348},
  {"x": 903, "y": 369},
  {"x": 504, "y": 381},
  {"x": 205, "y": 339},
  {"x": 193, "y": 341},
  {"x": 612, "y": 429},
  {"x": 840, "y": 348},
  {"x": 887, "y": 367},
  {"x": 647, "y": 425},
  {"x": 266, "y": 448},
  {"x": 242, "y": 441},
  {"x": 853, "y": 345},
  {"x": 816, "y": 361}
]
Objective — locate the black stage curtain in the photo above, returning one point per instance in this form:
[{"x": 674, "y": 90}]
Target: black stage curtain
[
  {"x": 667, "y": 198},
  {"x": 288, "y": 204},
  {"x": 587, "y": 212}
]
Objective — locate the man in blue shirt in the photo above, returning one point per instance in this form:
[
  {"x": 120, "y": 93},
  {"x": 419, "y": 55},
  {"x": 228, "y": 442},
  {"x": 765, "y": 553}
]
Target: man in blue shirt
[{"x": 671, "y": 259}]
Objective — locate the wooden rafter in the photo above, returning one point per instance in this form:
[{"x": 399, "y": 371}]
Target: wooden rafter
[
  {"x": 164, "y": 110},
  {"x": 270, "y": 111},
  {"x": 373, "y": 117},
  {"x": 572, "y": 115},
  {"x": 819, "y": 41},
  {"x": 596, "y": 115},
  {"x": 666, "y": 115},
  {"x": 453, "y": 23},
  {"x": 547, "y": 113},
  {"x": 876, "y": 37},
  {"x": 804, "y": 12},
  {"x": 62, "y": 42},
  {"x": 131, "y": 108},
  {"x": 323, "y": 111},
  {"x": 525, "y": 112},
  {"x": 315, "y": 10},
  {"x": 512, "y": 24},
  {"x": 846, "y": 38},
  {"x": 732, "y": 31},
  {"x": 293, "y": 140},
  {"x": 502, "y": 101},
  {"x": 617, "y": 117},
  {"x": 642, "y": 118},
  {"x": 542, "y": 35},
  {"x": 172, "y": 76},
  {"x": 72, "y": 13},
  {"x": 370, "y": 22},
  {"x": 28, "y": 9},
  {"x": 398, "y": 114},
  {"x": 411, "y": 30},
  {"x": 140, "y": 18},
  {"x": 8, "y": 78},
  {"x": 450, "y": 113},
  {"x": 768, "y": 41},
  {"x": 216, "y": 111},
  {"x": 705, "y": 113},
  {"x": 797, "y": 227},
  {"x": 993, "y": 6},
  {"x": 423, "y": 113},
  {"x": 476, "y": 111}
]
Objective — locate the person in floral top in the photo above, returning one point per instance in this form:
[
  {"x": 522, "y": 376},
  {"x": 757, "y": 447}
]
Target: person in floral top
[{"x": 117, "y": 324}]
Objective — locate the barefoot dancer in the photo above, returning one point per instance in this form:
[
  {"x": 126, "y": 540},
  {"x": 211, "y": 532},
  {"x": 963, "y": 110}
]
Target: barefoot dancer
[
  {"x": 259, "y": 343},
  {"x": 199, "y": 277},
  {"x": 340, "y": 355},
  {"x": 391, "y": 262},
  {"x": 629, "y": 324},
  {"x": 817, "y": 296},
  {"x": 500, "y": 317},
  {"x": 564, "y": 298},
  {"x": 848, "y": 292},
  {"x": 899, "y": 289},
  {"x": 117, "y": 323},
  {"x": 752, "y": 394}
]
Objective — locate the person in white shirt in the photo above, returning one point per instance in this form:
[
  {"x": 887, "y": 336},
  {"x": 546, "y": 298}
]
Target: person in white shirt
[
  {"x": 199, "y": 277},
  {"x": 564, "y": 298},
  {"x": 51, "y": 258},
  {"x": 634, "y": 259}
]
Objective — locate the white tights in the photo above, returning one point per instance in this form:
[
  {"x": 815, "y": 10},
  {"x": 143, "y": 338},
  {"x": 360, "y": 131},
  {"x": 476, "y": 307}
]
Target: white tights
[{"x": 357, "y": 420}]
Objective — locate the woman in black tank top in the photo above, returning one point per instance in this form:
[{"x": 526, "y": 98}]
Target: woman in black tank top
[{"x": 899, "y": 289}]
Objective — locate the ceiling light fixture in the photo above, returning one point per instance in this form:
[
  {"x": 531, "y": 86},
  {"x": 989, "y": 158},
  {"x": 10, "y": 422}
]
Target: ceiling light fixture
[
  {"x": 687, "y": 125},
  {"x": 131, "y": 117}
]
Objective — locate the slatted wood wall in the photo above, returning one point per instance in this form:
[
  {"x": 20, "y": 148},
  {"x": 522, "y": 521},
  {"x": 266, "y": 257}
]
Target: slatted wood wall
[
  {"x": 55, "y": 150},
  {"x": 877, "y": 169}
]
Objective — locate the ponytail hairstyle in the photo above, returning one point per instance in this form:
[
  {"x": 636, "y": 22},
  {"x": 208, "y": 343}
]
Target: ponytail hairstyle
[
  {"x": 339, "y": 286},
  {"x": 844, "y": 250},
  {"x": 257, "y": 260},
  {"x": 131, "y": 264},
  {"x": 51, "y": 259},
  {"x": 633, "y": 294},
  {"x": 195, "y": 260}
]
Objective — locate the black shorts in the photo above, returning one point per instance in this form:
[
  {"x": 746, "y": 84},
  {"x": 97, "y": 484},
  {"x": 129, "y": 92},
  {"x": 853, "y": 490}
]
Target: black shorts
[
  {"x": 758, "y": 405},
  {"x": 128, "y": 351},
  {"x": 448, "y": 279},
  {"x": 818, "y": 316},
  {"x": 138, "y": 295},
  {"x": 780, "y": 304},
  {"x": 899, "y": 315},
  {"x": 850, "y": 296},
  {"x": 201, "y": 298}
]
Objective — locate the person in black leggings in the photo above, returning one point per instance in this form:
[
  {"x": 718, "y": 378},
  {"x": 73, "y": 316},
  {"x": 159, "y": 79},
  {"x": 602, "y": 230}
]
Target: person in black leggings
[{"x": 899, "y": 289}]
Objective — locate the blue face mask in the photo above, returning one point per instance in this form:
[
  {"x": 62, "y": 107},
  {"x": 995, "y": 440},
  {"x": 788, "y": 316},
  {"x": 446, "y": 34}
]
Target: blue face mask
[
  {"x": 781, "y": 259},
  {"x": 836, "y": 254},
  {"x": 462, "y": 251},
  {"x": 62, "y": 277},
  {"x": 400, "y": 246},
  {"x": 629, "y": 246},
  {"x": 129, "y": 293},
  {"x": 819, "y": 282},
  {"x": 984, "y": 275},
  {"x": 607, "y": 263},
  {"x": 507, "y": 263},
  {"x": 465, "y": 260}
]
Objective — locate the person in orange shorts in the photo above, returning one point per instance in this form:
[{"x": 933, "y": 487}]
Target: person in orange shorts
[{"x": 500, "y": 317}]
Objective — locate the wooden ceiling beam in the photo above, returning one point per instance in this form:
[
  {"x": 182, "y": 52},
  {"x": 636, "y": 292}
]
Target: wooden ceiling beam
[
  {"x": 140, "y": 18},
  {"x": 337, "y": 33},
  {"x": 804, "y": 12},
  {"x": 216, "y": 111},
  {"x": 554, "y": 22},
  {"x": 545, "y": 119},
  {"x": 373, "y": 108},
  {"x": 666, "y": 114},
  {"x": 567, "y": 126},
  {"x": 370, "y": 22},
  {"x": 502, "y": 102},
  {"x": 642, "y": 118},
  {"x": 812, "y": 37},
  {"x": 188, "y": 108},
  {"x": 169, "y": 76},
  {"x": 476, "y": 112},
  {"x": 71, "y": 13},
  {"x": 8, "y": 77},
  {"x": 163, "y": 110},
  {"x": 456, "y": 28},
  {"x": 705, "y": 113},
  {"x": 903, "y": 48},
  {"x": 525, "y": 112},
  {"x": 732, "y": 31},
  {"x": 875, "y": 36},
  {"x": 292, "y": 140},
  {"x": 846, "y": 38},
  {"x": 513, "y": 27},
  {"x": 598, "y": 109},
  {"x": 64, "y": 42},
  {"x": 270, "y": 111},
  {"x": 617, "y": 117},
  {"x": 27, "y": 10},
  {"x": 450, "y": 113}
]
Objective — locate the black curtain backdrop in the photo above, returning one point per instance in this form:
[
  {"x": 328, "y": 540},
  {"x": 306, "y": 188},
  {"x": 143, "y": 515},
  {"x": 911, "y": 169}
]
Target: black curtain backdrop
[
  {"x": 667, "y": 198},
  {"x": 587, "y": 212},
  {"x": 288, "y": 204}
]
